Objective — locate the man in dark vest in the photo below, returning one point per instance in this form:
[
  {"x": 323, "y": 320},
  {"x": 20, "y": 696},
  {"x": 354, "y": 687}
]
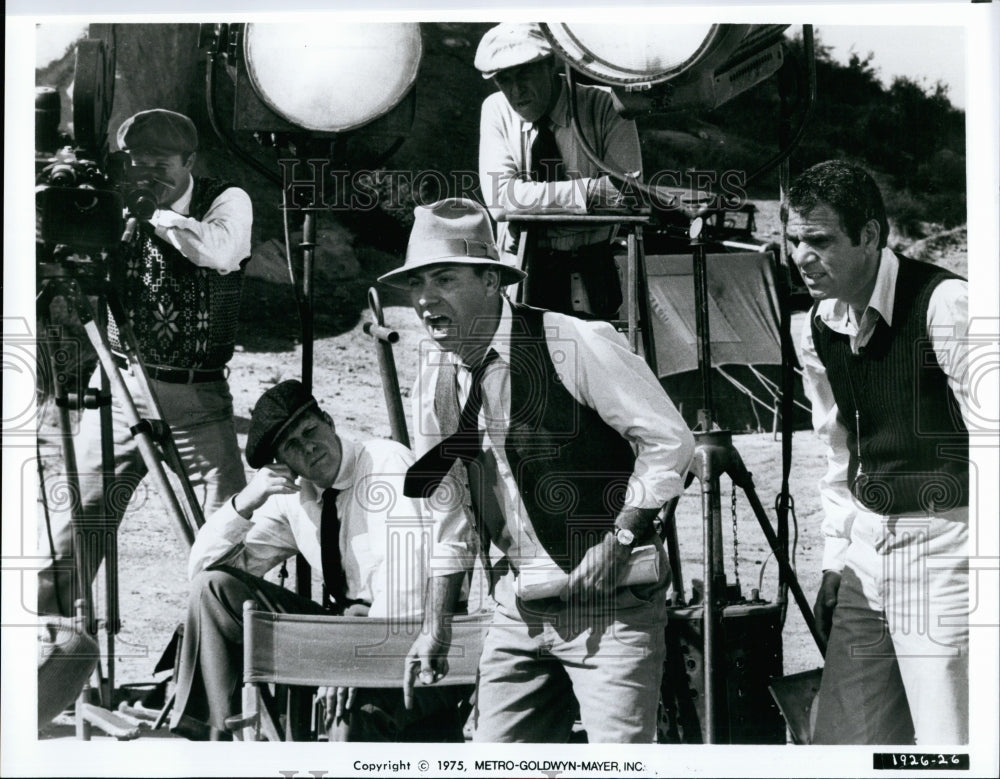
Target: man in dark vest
[
  {"x": 179, "y": 280},
  {"x": 322, "y": 495},
  {"x": 883, "y": 355},
  {"x": 569, "y": 448}
]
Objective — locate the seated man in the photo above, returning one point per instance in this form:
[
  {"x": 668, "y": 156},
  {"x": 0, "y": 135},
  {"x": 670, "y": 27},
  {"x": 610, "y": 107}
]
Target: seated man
[{"x": 321, "y": 499}]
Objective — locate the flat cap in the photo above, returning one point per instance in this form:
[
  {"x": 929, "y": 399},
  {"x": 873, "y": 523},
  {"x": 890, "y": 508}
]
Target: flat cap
[
  {"x": 509, "y": 45},
  {"x": 158, "y": 129},
  {"x": 275, "y": 412}
]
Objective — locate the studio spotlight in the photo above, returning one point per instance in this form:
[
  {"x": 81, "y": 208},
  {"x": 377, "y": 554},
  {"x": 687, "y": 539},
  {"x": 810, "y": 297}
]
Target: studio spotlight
[
  {"x": 667, "y": 67},
  {"x": 324, "y": 79}
]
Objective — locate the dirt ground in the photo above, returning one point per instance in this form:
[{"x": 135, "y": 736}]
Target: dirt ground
[{"x": 153, "y": 582}]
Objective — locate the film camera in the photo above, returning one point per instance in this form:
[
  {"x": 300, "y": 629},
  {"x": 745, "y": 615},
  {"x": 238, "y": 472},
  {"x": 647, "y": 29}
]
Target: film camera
[{"x": 79, "y": 202}]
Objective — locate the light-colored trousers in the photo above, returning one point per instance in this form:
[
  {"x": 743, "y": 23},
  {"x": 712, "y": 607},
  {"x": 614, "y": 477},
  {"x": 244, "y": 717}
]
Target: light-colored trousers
[
  {"x": 200, "y": 417},
  {"x": 897, "y": 664},
  {"x": 540, "y": 655}
]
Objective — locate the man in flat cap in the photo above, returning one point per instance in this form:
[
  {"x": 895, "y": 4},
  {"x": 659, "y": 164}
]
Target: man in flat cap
[
  {"x": 340, "y": 504},
  {"x": 547, "y": 447},
  {"x": 530, "y": 159},
  {"x": 179, "y": 280}
]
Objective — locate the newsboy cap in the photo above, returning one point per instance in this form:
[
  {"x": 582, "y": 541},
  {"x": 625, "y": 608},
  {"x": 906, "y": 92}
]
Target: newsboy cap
[
  {"x": 454, "y": 231},
  {"x": 158, "y": 129},
  {"x": 509, "y": 45},
  {"x": 276, "y": 411}
]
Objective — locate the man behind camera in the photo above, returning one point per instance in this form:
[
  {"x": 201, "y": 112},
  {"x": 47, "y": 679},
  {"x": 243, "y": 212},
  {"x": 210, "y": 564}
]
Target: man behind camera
[{"x": 179, "y": 280}]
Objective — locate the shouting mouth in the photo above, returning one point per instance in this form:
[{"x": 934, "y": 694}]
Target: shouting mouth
[{"x": 438, "y": 325}]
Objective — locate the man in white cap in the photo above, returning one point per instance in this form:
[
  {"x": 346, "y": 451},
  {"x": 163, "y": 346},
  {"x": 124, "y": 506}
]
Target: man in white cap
[
  {"x": 568, "y": 447},
  {"x": 530, "y": 159},
  {"x": 179, "y": 280}
]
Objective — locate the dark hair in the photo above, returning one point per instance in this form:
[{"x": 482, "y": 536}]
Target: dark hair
[{"x": 848, "y": 189}]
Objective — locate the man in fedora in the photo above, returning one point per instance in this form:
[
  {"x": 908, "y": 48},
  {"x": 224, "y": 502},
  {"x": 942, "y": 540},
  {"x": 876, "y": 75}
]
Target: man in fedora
[
  {"x": 321, "y": 495},
  {"x": 179, "y": 281},
  {"x": 531, "y": 159},
  {"x": 547, "y": 447}
]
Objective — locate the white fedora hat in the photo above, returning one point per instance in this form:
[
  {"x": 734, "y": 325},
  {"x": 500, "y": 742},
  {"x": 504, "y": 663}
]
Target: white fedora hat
[{"x": 453, "y": 231}]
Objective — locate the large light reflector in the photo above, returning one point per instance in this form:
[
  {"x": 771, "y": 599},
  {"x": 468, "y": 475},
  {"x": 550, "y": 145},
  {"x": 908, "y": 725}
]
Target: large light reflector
[
  {"x": 333, "y": 77},
  {"x": 633, "y": 54}
]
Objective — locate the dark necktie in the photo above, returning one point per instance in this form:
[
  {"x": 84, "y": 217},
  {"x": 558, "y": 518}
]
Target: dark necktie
[
  {"x": 426, "y": 474},
  {"x": 334, "y": 577},
  {"x": 546, "y": 161}
]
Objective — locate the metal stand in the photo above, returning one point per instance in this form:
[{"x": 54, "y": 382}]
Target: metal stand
[
  {"x": 715, "y": 455},
  {"x": 155, "y": 445},
  {"x": 385, "y": 338}
]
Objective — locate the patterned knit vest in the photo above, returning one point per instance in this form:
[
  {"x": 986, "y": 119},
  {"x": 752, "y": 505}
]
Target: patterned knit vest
[
  {"x": 182, "y": 315},
  {"x": 914, "y": 445}
]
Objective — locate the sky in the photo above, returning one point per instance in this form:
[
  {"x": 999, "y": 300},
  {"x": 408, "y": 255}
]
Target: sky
[
  {"x": 924, "y": 54},
  {"x": 899, "y": 50}
]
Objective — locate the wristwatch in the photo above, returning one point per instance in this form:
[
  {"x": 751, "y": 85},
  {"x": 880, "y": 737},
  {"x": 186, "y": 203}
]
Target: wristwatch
[{"x": 624, "y": 536}]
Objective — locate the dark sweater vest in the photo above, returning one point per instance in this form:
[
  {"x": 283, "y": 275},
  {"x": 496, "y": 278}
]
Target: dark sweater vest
[
  {"x": 914, "y": 444},
  {"x": 571, "y": 467},
  {"x": 182, "y": 315}
]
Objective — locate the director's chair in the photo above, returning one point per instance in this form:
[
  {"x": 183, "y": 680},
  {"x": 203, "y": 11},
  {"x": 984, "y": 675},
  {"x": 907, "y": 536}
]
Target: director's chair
[{"x": 325, "y": 651}]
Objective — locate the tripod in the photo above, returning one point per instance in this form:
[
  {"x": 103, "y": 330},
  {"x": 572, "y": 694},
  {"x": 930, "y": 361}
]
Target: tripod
[
  {"x": 715, "y": 456},
  {"x": 74, "y": 281}
]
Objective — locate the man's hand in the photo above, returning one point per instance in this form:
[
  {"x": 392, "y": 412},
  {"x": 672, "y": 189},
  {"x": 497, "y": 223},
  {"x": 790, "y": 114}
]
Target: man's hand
[
  {"x": 337, "y": 702},
  {"x": 600, "y": 570},
  {"x": 826, "y": 602},
  {"x": 427, "y": 658},
  {"x": 270, "y": 480}
]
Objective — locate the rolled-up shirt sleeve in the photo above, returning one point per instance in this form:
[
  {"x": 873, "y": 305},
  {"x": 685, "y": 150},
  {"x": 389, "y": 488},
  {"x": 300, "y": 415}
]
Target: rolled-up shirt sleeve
[
  {"x": 220, "y": 240},
  {"x": 834, "y": 491},
  {"x": 501, "y": 169},
  {"x": 604, "y": 374},
  {"x": 254, "y": 545},
  {"x": 454, "y": 536}
]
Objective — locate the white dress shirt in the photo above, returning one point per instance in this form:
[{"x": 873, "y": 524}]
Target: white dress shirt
[
  {"x": 220, "y": 240},
  {"x": 504, "y": 155},
  {"x": 383, "y": 535},
  {"x": 947, "y": 325},
  {"x": 599, "y": 371}
]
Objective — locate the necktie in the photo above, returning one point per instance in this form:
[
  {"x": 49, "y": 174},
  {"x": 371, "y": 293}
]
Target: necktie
[
  {"x": 334, "y": 577},
  {"x": 425, "y": 475},
  {"x": 546, "y": 161}
]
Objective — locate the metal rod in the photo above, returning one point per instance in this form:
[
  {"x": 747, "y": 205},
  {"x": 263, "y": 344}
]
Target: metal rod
[
  {"x": 384, "y": 338},
  {"x": 633, "y": 297},
  {"x": 744, "y": 480},
  {"x": 149, "y": 454},
  {"x": 708, "y": 484},
  {"x": 699, "y": 260},
  {"x": 308, "y": 245}
]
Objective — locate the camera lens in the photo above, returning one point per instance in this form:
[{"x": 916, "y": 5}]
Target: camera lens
[{"x": 62, "y": 175}]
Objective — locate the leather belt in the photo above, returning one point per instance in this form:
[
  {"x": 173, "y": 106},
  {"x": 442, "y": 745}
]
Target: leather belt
[{"x": 177, "y": 375}]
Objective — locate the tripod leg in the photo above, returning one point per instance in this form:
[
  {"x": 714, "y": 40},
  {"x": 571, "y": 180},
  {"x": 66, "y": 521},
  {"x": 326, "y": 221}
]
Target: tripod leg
[
  {"x": 714, "y": 587},
  {"x": 741, "y": 476},
  {"x": 669, "y": 535},
  {"x": 160, "y": 430},
  {"x": 140, "y": 431}
]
